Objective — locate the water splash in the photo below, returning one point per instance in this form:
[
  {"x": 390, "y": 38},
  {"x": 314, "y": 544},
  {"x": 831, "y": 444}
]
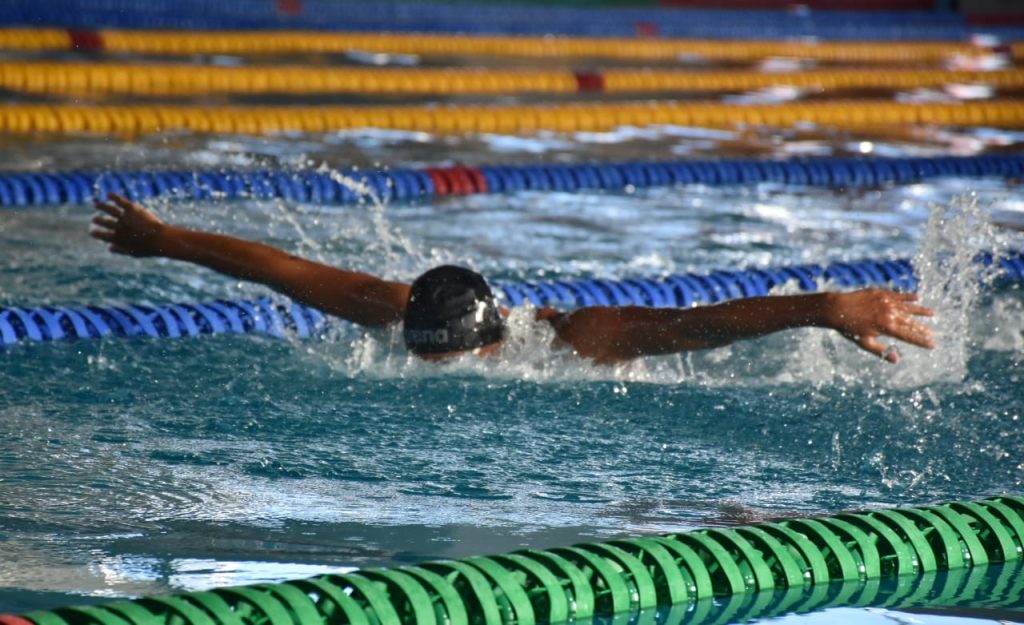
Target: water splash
[
  {"x": 394, "y": 247},
  {"x": 950, "y": 280},
  {"x": 327, "y": 233},
  {"x": 948, "y": 275}
]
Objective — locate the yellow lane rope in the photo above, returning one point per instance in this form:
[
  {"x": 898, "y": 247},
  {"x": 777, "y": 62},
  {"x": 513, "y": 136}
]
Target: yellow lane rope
[
  {"x": 653, "y": 81},
  {"x": 498, "y": 119},
  {"x": 171, "y": 80},
  {"x": 284, "y": 42},
  {"x": 34, "y": 39}
]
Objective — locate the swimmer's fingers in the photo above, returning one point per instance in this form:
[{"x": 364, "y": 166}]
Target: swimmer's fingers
[
  {"x": 109, "y": 237},
  {"x": 915, "y": 334},
  {"x": 866, "y": 316},
  {"x": 124, "y": 202},
  {"x": 876, "y": 347},
  {"x": 102, "y": 235},
  {"x": 106, "y": 228},
  {"x": 906, "y": 304},
  {"x": 108, "y": 208},
  {"x": 104, "y": 222},
  {"x": 922, "y": 337},
  {"x": 118, "y": 206},
  {"x": 920, "y": 311},
  {"x": 904, "y": 328},
  {"x": 128, "y": 228}
]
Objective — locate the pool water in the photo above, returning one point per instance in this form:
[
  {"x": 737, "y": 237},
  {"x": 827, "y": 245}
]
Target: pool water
[{"x": 133, "y": 467}]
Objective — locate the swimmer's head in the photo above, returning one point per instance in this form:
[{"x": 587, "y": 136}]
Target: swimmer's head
[{"x": 451, "y": 309}]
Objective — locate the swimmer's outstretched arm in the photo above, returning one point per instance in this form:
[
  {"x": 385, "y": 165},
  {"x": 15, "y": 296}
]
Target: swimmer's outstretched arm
[
  {"x": 362, "y": 298},
  {"x": 612, "y": 334}
]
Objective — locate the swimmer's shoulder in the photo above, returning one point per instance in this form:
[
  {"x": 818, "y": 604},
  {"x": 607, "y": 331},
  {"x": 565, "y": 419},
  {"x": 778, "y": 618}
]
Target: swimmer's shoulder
[{"x": 552, "y": 315}]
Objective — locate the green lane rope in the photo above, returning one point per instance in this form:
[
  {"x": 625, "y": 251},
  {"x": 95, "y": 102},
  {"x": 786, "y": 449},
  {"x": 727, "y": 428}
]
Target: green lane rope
[{"x": 764, "y": 569}]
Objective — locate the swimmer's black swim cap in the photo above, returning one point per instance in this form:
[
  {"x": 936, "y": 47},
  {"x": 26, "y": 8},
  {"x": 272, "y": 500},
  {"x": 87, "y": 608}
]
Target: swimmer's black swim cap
[{"x": 451, "y": 309}]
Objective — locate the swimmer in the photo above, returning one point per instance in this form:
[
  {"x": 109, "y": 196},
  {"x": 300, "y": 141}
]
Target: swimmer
[{"x": 449, "y": 311}]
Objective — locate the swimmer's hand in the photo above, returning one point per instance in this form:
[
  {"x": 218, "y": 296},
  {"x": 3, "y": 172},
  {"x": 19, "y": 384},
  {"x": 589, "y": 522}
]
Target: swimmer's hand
[
  {"x": 129, "y": 228},
  {"x": 864, "y": 316}
]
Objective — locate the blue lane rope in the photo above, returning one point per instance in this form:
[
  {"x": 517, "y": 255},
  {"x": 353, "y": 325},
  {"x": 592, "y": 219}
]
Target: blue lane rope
[
  {"x": 264, "y": 316},
  {"x": 432, "y": 17},
  {"x": 277, "y": 317},
  {"x": 19, "y": 189}
]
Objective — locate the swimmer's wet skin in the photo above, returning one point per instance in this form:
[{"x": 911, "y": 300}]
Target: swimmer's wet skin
[{"x": 449, "y": 311}]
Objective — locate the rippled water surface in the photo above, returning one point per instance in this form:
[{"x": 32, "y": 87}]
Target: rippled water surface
[{"x": 130, "y": 467}]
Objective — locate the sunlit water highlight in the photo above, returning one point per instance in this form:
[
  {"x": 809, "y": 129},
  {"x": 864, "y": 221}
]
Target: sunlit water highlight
[{"x": 137, "y": 466}]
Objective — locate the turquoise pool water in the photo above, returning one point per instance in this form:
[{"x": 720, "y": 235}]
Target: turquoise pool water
[{"x": 132, "y": 467}]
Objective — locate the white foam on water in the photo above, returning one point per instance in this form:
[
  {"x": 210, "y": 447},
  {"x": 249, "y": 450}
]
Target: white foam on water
[
  {"x": 950, "y": 280},
  {"x": 394, "y": 247}
]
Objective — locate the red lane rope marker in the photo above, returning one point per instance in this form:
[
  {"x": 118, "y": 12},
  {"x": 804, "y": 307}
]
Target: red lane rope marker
[
  {"x": 589, "y": 82},
  {"x": 10, "y": 619},
  {"x": 646, "y": 29},
  {"x": 441, "y": 186},
  {"x": 456, "y": 180},
  {"x": 289, "y": 7},
  {"x": 85, "y": 39},
  {"x": 455, "y": 184},
  {"x": 462, "y": 183},
  {"x": 479, "y": 182}
]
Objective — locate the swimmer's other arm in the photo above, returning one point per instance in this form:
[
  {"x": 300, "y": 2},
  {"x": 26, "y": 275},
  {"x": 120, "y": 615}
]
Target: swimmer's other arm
[
  {"x": 613, "y": 334},
  {"x": 362, "y": 298}
]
